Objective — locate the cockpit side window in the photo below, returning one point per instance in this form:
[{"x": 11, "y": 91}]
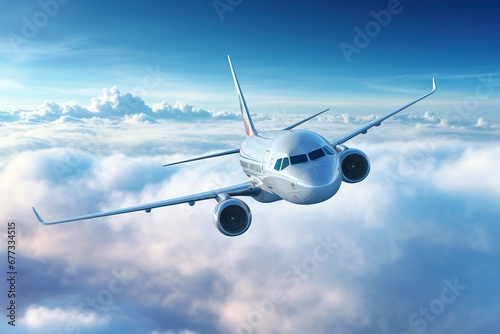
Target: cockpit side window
[
  {"x": 281, "y": 164},
  {"x": 277, "y": 165},
  {"x": 285, "y": 164},
  {"x": 328, "y": 150},
  {"x": 316, "y": 154},
  {"x": 298, "y": 159}
]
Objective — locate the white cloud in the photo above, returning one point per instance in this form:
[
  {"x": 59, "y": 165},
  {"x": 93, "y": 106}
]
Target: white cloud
[
  {"x": 37, "y": 317},
  {"x": 117, "y": 106},
  {"x": 113, "y": 105},
  {"x": 392, "y": 237},
  {"x": 482, "y": 123},
  {"x": 184, "y": 331},
  {"x": 474, "y": 171}
]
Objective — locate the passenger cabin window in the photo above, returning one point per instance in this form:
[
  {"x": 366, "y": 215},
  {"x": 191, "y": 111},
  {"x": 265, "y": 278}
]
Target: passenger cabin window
[
  {"x": 298, "y": 159},
  {"x": 316, "y": 154}
]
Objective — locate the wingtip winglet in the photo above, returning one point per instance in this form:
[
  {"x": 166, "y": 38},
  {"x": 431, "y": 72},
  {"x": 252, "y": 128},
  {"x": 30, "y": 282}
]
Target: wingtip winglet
[
  {"x": 38, "y": 216},
  {"x": 434, "y": 87}
]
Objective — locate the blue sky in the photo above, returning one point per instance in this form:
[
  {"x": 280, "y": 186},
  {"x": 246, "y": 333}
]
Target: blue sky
[
  {"x": 98, "y": 96},
  {"x": 287, "y": 47}
]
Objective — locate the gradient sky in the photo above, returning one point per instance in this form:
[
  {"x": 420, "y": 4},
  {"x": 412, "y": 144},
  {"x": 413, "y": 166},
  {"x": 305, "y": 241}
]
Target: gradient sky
[
  {"x": 284, "y": 50},
  {"x": 96, "y": 96}
]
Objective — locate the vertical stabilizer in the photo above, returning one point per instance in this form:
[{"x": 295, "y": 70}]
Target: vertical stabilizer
[{"x": 247, "y": 119}]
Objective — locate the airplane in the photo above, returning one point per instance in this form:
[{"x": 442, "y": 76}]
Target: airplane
[{"x": 298, "y": 166}]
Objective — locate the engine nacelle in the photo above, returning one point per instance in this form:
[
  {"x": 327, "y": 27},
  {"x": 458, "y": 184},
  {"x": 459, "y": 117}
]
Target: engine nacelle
[
  {"x": 232, "y": 216},
  {"x": 354, "y": 164}
]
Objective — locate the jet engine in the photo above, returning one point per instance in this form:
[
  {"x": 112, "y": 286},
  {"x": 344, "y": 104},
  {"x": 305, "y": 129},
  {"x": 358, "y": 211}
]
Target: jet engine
[
  {"x": 232, "y": 216},
  {"x": 354, "y": 164}
]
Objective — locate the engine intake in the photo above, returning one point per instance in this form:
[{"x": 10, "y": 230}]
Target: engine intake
[
  {"x": 232, "y": 216},
  {"x": 354, "y": 164}
]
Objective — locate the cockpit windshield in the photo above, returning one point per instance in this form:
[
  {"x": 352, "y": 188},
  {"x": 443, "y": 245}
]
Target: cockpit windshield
[
  {"x": 316, "y": 154},
  {"x": 298, "y": 159},
  {"x": 283, "y": 163}
]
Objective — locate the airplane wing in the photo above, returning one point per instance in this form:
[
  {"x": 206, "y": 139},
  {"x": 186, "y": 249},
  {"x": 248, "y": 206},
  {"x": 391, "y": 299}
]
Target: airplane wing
[
  {"x": 244, "y": 189},
  {"x": 305, "y": 120},
  {"x": 376, "y": 122},
  {"x": 220, "y": 154}
]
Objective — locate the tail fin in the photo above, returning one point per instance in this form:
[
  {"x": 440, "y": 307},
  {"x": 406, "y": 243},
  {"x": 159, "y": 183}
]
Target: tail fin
[{"x": 247, "y": 119}]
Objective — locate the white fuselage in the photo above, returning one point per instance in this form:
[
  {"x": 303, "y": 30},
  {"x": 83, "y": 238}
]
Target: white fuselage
[{"x": 298, "y": 166}]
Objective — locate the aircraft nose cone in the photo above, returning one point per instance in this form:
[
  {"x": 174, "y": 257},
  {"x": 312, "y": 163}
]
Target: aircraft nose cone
[
  {"x": 313, "y": 184},
  {"x": 316, "y": 176}
]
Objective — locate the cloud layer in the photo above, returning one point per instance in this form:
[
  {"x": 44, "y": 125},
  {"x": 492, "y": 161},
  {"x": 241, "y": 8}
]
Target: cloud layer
[
  {"x": 375, "y": 258},
  {"x": 111, "y": 104}
]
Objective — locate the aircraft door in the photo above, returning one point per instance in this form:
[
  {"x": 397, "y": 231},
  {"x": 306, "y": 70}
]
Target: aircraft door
[{"x": 268, "y": 162}]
